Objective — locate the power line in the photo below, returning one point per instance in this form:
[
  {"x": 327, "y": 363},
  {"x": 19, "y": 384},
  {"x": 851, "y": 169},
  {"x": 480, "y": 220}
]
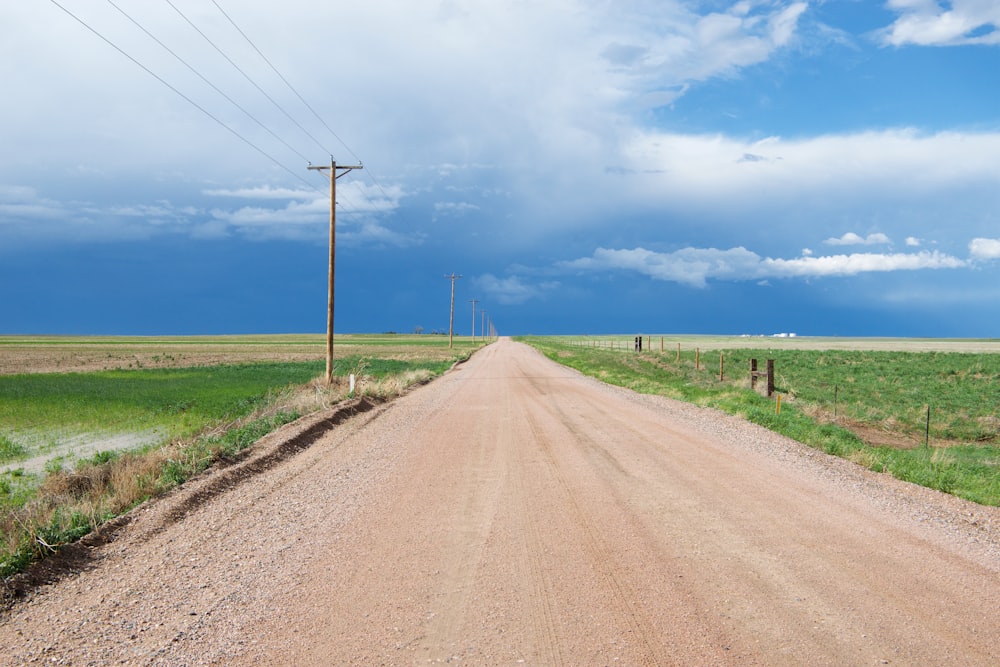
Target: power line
[
  {"x": 188, "y": 99},
  {"x": 246, "y": 76},
  {"x": 178, "y": 92},
  {"x": 203, "y": 78},
  {"x": 368, "y": 172},
  {"x": 281, "y": 76}
]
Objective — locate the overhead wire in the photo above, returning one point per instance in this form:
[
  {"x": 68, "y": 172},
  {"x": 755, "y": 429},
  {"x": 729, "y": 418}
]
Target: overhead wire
[
  {"x": 375, "y": 204},
  {"x": 205, "y": 79},
  {"x": 182, "y": 95},
  {"x": 245, "y": 75},
  {"x": 369, "y": 174}
]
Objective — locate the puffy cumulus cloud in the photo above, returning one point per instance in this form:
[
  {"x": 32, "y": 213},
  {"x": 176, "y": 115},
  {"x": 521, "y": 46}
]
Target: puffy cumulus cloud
[
  {"x": 691, "y": 266},
  {"x": 295, "y": 213},
  {"x": 984, "y": 248},
  {"x": 852, "y": 174},
  {"x": 512, "y": 290},
  {"x": 850, "y": 238},
  {"x": 928, "y": 23},
  {"x": 308, "y": 220},
  {"x": 695, "y": 266},
  {"x": 655, "y": 52},
  {"x": 261, "y": 192},
  {"x": 849, "y": 265}
]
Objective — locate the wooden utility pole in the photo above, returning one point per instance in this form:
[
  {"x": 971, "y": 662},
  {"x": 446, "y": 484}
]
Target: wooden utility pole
[
  {"x": 474, "y": 302},
  {"x": 482, "y": 324},
  {"x": 451, "y": 319},
  {"x": 334, "y": 175}
]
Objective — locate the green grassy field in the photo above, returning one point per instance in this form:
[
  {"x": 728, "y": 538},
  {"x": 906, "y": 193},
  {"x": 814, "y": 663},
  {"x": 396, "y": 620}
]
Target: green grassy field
[
  {"x": 195, "y": 402},
  {"x": 38, "y": 410},
  {"x": 877, "y": 391}
]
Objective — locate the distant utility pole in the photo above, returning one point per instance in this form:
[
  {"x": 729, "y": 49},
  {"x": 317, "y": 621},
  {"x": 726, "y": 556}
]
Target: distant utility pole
[
  {"x": 451, "y": 320},
  {"x": 474, "y": 302},
  {"x": 335, "y": 173},
  {"x": 482, "y": 324}
]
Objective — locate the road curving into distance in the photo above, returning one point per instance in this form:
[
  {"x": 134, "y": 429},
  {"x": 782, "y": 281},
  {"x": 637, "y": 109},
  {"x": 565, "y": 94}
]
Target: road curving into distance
[{"x": 516, "y": 512}]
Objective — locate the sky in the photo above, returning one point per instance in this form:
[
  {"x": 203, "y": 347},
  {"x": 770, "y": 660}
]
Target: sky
[{"x": 820, "y": 167}]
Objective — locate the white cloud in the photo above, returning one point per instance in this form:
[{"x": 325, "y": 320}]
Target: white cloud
[
  {"x": 872, "y": 176},
  {"x": 849, "y": 265},
  {"x": 691, "y": 266},
  {"x": 262, "y": 192},
  {"x": 512, "y": 290},
  {"x": 294, "y": 213},
  {"x": 984, "y": 248},
  {"x": 695, "y": 266},
  {"x": 928, "y": 23},
  {"x": 850, "y": 238},
  {"x": 913, "y": 242},
  {"x": 455, "y": 208}
]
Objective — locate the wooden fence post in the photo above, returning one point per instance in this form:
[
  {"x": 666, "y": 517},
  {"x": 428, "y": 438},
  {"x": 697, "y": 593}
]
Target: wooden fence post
[{"x": 769, "y": 374}]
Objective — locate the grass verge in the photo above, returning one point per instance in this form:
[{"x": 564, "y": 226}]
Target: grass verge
[
  {"x": 235, "y": 407},
  {"x": 970, "y": 471}
]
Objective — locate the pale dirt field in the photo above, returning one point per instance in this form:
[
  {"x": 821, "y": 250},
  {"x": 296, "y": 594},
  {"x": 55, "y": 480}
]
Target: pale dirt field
[
  {"x": 516, "y": 512},
  {"x": 76, "y": 358}
]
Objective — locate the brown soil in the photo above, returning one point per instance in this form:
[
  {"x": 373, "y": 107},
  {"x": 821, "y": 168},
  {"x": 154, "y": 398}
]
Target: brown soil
[
  {"x": 76, "y": 358},
  {"x": 516, "y": 512}
]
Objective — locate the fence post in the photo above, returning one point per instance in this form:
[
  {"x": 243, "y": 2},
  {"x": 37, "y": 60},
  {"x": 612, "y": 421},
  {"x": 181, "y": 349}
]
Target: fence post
[
  {"x": 678, "y": 353},
  {"x": 722, "y": 372},
  {"x": 770, "y": 377},
  {"x": 753, "y": 373},
  {"x": 697, "y": 359},
  {"x": 927, "y": 432}
]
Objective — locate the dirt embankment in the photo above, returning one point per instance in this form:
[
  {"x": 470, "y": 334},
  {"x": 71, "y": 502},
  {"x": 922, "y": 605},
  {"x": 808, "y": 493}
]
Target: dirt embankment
[{"x": 514, "y": 511}]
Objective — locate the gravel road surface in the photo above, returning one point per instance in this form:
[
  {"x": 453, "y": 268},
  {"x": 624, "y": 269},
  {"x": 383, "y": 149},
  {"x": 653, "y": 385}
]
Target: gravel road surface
[{"x": 515, "y": 512}]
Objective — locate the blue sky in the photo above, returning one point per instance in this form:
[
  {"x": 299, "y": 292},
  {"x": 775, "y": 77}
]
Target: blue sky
[{"x": 824, "y": 167}]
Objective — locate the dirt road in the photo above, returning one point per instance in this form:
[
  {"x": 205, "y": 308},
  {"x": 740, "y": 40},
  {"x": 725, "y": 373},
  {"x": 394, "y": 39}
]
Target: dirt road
[{"x": 515, "y": 512}]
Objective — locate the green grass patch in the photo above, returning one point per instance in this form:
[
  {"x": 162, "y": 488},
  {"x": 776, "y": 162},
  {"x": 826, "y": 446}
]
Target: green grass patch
[
  {"x": 180, "y": 401},
  {"x": 207, "y": 414},
  {"x": 10, "y": 450},
  {"x": 887, "y": 389}
]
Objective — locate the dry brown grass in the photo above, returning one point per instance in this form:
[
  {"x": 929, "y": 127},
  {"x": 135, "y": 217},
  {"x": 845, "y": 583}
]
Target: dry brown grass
[{"x": 70, "y": 503}]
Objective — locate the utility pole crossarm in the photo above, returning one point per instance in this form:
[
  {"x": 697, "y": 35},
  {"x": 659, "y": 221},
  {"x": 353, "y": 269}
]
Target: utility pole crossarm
[{"x": 336, "y": 171}]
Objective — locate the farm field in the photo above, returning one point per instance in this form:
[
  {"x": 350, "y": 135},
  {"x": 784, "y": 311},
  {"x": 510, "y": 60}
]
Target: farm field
[
  {"x": 866, "y": 400},
  {"x": 170, "y": 407},
  {"x": 57, "y": 394},
  {"x": 71, "y": 354}
]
